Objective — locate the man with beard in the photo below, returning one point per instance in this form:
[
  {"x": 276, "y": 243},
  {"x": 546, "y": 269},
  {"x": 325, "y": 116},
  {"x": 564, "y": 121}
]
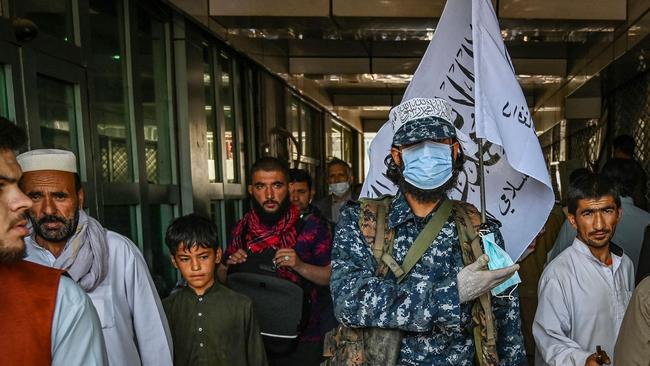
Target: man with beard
[
  {"x": 431, "y": 304},
  {"x": 303, "y": 248},
  {"x": 46, "y": 318},
  {"x": 583, "y": 293},
  {"x": 108, "y": 266}
]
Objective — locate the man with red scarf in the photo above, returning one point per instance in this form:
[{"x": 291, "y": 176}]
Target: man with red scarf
[{"x": 303, "y": 249}]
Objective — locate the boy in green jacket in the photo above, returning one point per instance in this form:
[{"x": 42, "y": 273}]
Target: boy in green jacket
[{"x": 210, "y": 324}]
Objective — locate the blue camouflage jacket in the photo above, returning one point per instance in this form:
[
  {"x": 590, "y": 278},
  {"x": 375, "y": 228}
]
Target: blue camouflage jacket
[{"x": 425, "y": 305}]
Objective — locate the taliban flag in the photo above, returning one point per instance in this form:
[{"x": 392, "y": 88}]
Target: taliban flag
[{"x": 467, "y": 64}]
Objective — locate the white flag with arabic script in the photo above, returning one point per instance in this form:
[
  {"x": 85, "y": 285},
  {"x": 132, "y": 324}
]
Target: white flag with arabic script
[{"x": 467, "y": 64}]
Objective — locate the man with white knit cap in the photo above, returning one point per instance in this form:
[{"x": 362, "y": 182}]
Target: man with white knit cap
[{"x": 107, "y": 265}]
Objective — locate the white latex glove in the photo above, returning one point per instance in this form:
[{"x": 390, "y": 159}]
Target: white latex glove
[{"x": 475, "y": 279}]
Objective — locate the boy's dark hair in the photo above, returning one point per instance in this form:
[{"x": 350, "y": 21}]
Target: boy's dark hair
[
  {"x": 590, "y": 186},
  {"x": 12, "y": 137},
  {"x": 300, "y": 175},
  {"x": 191, "y": 230},
  {"x": 624, "y": 143},
  {"x": 337, "y": 161},
  {"x": 270, "y": 164},
  {"x": 624, "y": 173}
]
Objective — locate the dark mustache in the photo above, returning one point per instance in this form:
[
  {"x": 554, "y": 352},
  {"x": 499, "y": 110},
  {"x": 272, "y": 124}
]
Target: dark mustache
[
  {"x": 50, "y": 219},
  {"x": 271, "y": 201},
  {"x": 600, "y": 232},
  {"x": 18, "y": 219}
]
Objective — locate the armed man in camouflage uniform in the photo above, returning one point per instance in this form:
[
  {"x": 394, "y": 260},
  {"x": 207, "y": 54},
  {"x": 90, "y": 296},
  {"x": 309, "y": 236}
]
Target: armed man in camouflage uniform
[{"x": 432, "y": 304}]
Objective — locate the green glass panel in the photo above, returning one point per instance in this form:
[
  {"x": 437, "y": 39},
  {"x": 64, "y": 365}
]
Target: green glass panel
[
  {"x": 154, "y": 93},
  {"x": 226, "y": 101},
  {"x": 210, "y": 116},
  {"x": 121, "y": 219},
  {"x": 4, "y": 100},
  {"x": 225, "y": 214},
  {"x": 163, "y": 272},
  {"x": 56, "y": 107},
  {"x": 110, "y": 111}
]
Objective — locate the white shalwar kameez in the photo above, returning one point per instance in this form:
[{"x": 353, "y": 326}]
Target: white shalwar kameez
[
  {"x": 581, "y": 305},
  {"x": 133, "y": 321}
]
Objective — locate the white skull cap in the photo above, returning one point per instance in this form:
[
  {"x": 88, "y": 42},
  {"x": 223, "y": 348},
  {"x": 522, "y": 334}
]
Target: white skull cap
[
  {"x": 48, "y": 159},
  {"x": 419, "y": 108}
]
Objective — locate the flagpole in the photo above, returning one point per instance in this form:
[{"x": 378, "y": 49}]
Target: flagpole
[{"x": 481, "y": 177}]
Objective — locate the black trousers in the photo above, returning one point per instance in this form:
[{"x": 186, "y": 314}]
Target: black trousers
[{"x": 305, "y": 354}]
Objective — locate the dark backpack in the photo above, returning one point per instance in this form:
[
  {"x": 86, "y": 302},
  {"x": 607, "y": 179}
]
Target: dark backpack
[{"x": 281, "y": 306}]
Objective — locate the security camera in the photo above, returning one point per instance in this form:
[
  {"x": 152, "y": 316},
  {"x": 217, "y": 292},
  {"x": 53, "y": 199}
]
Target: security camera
[{"x": 24, "y": 29}]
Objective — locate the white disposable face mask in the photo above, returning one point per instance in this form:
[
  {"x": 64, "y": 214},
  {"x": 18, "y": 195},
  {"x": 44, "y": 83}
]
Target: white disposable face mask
[{"x": 339, "y": 189}]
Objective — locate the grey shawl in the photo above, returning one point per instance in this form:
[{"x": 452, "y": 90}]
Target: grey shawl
[{"x": 85, "y": 256}]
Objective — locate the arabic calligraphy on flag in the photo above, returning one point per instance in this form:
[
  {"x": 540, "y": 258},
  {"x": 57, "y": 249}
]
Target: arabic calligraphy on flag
[{"x": 467, "y": 64}]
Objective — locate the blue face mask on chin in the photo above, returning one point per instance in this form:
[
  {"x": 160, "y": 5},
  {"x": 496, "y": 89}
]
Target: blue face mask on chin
[
  {"x": 499, "y": 258},
  {"x": 427, "y": 165}
]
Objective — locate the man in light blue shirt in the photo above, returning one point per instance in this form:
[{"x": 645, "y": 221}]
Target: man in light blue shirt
[
  {"x": 75, "y": 334},
  {"x": 629, "y": 231}
]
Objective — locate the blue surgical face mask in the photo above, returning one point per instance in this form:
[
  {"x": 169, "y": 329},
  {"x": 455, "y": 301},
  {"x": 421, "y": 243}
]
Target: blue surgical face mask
[
  {"x": 499, "y": 258},
  {"x": 427, "y": 165}
]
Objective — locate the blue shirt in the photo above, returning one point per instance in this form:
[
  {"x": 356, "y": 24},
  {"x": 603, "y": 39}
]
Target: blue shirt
[{"x": 425, "y": 305}]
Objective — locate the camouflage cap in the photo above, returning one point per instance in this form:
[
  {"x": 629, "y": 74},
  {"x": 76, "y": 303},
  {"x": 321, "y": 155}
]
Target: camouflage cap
[{"x": 422, "y": 119}]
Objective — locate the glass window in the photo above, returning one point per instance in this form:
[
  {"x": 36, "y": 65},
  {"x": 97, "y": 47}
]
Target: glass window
[
  {"x": 121, "y": 219},
  {"x": 367, "y": 139},
  {"x": 294, "y": 125},
  {"x": 307, "y": 130},
  {"x": 225, "y": 214},
  {"x": 163, "y": 272},
  {"x": 232, "y": 211},
  {"x": 217, "y": 217},
  {"x": 337, "y": 141},
  {"x": 4, "y": 98},
  {"x": 210, "y": 116},
  {"x": 110, "y": 111},
  {"x": 227, "y": 102},
  {"x": 347, "y": 146},
  {"x": 56, "y": 107},
  {"x": 53, "y": 17},
  {"x": 154, "y": 91}
]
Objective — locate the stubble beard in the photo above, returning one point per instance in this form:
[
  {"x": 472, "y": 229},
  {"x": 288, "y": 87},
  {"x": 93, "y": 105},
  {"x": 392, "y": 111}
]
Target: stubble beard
[{"x": 11, "y": 255}]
